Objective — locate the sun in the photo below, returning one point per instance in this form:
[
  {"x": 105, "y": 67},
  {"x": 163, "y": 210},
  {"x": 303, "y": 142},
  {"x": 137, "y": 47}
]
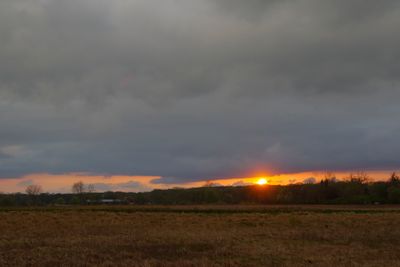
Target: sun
[{"x": 262, "y": 181}]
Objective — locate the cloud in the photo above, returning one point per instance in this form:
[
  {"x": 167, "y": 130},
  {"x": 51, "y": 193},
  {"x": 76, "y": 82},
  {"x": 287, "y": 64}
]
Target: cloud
[
  {"x": 242, "y": 183},
  {"x": 25, "y": 183},
  {"x": 130, "y": 186},
  {"x": 198, "y": 90}
]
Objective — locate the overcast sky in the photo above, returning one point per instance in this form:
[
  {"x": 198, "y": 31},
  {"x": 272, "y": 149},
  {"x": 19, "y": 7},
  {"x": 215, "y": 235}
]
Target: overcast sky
[{"x": 195, "y": 90}]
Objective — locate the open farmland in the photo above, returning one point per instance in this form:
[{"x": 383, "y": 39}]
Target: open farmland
[{"x": 200, "y": 236}]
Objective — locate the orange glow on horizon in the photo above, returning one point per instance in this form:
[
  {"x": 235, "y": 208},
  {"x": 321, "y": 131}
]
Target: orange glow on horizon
[
  {"x": 61, "y": 183},
  {"x": 262, "y": 181}
]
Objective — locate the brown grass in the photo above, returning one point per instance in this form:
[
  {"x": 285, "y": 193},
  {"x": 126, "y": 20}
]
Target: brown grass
[{"x": 101, "y": 236}]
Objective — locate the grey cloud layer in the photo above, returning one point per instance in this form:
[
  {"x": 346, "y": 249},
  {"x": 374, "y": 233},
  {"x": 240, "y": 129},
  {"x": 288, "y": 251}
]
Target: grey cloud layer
[{"x": 198, "y": 89}]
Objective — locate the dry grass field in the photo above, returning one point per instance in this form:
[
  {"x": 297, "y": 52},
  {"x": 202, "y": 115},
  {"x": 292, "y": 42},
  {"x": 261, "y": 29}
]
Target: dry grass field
[{"x": 200, "y": 236}]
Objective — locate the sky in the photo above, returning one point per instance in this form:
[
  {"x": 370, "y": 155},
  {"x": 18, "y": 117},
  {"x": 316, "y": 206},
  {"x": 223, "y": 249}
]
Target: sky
[{"x": 142, "y": 94}]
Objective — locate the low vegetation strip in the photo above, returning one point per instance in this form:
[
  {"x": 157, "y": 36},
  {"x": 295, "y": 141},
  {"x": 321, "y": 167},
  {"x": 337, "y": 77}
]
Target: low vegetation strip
[
  {"x": 356, "y": 190},
  {"x": 215, "y": 209}
]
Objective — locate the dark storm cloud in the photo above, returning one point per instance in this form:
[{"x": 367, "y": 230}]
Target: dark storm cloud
[{"x": 198, "y": 89}]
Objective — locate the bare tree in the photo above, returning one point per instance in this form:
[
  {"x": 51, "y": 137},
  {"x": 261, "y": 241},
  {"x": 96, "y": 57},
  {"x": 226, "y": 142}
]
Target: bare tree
[
  {"x": 394, "y": 179},
  {"x": 33, "y": 190},
  {"x": 310, "y": 180},
  {"x": 211, "y": 184},
  {"x": 359, "y": 177},
  {"x": 78, "y": 188},
  {"x": 90, "y": 188},
  {"x": 330, "y": 176}
]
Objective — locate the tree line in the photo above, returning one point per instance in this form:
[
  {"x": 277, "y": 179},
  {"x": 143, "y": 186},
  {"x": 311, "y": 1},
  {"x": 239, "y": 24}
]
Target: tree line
[{"x": 356, "y": 189}]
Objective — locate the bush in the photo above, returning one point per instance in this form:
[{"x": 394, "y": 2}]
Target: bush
[{"x": 394, "y": 194}]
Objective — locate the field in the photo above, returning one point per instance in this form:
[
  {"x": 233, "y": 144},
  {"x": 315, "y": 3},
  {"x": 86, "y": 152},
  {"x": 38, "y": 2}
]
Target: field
[{"x": 200, "y": 236}]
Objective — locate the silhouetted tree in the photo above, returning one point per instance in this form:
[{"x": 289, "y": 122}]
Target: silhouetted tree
[
  {"x": 394, "y": 179},
  {"x": 78, "y": 188},
  {"x": 90, "y": 188},
  {"x": 33, "y": 190},
  {"x": 359, "y": 177},
  {"x": 310, "y": 180},
  {"x": 329, "y": 177}
]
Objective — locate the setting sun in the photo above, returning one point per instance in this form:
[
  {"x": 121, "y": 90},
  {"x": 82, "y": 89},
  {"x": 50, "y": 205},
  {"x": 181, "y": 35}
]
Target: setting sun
[{"x": 262, "y": 181}]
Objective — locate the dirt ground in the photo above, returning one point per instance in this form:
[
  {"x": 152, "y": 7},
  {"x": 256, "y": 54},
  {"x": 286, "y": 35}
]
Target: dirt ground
[{"x": 200, "y": 236}]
